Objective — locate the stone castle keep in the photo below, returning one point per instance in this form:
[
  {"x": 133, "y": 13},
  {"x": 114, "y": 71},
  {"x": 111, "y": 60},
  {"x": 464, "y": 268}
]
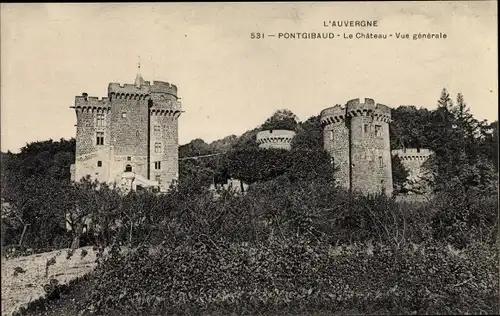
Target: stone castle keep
[
  {"x": 129, "y": 137},
  {"x": 357, "y": 137}
]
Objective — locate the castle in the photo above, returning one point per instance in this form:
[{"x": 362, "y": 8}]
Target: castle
[
  {"x": 130, "y": 137},
  {"x": 357, "y": 138}
]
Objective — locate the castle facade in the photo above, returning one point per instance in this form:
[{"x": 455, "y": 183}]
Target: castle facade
[{"x": 129, "y": 137}]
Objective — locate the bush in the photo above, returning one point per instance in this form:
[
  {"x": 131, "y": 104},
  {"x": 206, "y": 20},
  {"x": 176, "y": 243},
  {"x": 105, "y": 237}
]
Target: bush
[{"x": 297, "y": 276}]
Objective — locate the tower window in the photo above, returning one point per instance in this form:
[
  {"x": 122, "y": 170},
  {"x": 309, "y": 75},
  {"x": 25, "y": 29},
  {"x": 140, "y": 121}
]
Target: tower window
[
  {"x": 129, "y": 158},
  {"x": 100, "y": 138},
  {"x": 124, "y": 114},
  {"x": 381, "y": 161},
  {"x": 157, "y": 165},
  {"x": 366, "y": 129},
  {"x": 378, "y": 130},
  {"x": 331, "y": 135},
  {"x": 156, "y": 130},
  {"x": 100, "y": 120},
  {"x": 157, "y": 147},
  {"x": 128, "y": 168},
  {"x": 99, "y": 163}
]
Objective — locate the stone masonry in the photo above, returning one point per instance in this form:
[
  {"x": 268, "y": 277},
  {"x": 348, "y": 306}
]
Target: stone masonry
[
  {"x": 276, "y": 139},
  {"x": 129, "y": 137},
  {"x": 357, "y": 137}
]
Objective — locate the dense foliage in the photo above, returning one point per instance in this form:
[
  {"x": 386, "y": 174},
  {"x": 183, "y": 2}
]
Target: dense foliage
[
  {"x": 281, "y": 119},
  {"x": 298, "y": 277}
]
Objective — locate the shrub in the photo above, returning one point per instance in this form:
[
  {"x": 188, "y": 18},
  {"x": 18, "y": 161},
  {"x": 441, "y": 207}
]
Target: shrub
[{"x": 297, "y": 275}]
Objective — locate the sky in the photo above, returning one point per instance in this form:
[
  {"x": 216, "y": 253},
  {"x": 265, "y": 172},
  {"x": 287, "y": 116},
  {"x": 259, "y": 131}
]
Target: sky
[{"x": 228, "y": 82}]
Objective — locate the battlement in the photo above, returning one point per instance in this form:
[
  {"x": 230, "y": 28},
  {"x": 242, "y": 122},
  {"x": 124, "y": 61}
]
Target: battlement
[
  {"x": 280, "y": 139},
  {"x": 412, "y": 153},
  {"x": 128, "y": 89},
  {"x": 368, "y": 108},
  {"x": 145, "y": 89},
  {"x": 334, "y": 114},
  {"x": 353, "y": 108},
  {"x": 84, "y": 100},
  {"x": 165, "y": 87}
]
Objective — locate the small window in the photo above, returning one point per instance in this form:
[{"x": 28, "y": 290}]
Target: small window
[
  {"x": 157, "y": 148},
  {"x": 100, "y": 120},
  {"x": 157, "y": 165},
  {"x": 99, "y": 163},
  {"x": 124, "y": 114},
  {"x": 378, "y": 130},
  {"x": 129, "y": 158},
  {"x": 158, "y": 179},
  {"x": 366, "y": 128},
  {"x": 331, "y": 135},
  {"x": 380, "y": 161},
  {"x": 156, "y": 130},
  {"x": 100, "y": 138},
  {"x": 128, "y": 168}
]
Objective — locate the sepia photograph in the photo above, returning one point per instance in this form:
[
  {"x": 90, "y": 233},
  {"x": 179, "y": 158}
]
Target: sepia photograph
[{"x": 273, "y": 158}]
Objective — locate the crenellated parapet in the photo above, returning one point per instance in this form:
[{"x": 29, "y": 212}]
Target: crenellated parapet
[
  {"x": 369, "y": 108},
  {"x": 412, "y": 153},
  {"x": 354, "y": 108},
  {"x": 164, "y": 87},
  {"x": 279, "y": 139},
  {"x": 333, "y": 115},
  {"x": 132, "y": 91},
  {"x": 84, "y": 103}
]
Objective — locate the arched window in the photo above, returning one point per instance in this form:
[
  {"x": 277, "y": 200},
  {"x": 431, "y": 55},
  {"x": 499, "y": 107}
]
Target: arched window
[{"x": 128, "y": 168}]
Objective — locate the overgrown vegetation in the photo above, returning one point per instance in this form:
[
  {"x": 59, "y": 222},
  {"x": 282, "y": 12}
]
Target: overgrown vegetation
[{"x": 294, "y": 243}]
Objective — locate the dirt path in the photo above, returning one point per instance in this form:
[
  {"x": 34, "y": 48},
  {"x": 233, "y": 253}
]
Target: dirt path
[{"x": 18, "y": 291}]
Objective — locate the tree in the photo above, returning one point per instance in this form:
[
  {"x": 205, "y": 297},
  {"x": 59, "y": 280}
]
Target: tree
[
  {"x": 309, "y": 135},
  {"x": 399, "y": 174},
  {"x": 281, "y": 119},
  {"x": 408, "y": 127},
  {"x": 457, "y": 139}
]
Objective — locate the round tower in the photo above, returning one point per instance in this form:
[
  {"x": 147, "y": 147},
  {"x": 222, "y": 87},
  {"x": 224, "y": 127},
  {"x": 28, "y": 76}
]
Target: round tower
[
  {"x": 371, "y": 170},
  {"x": 275, "y": 139},
  {"x": 336, "y": 142},
  {"x": 357, "y": 138}
]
